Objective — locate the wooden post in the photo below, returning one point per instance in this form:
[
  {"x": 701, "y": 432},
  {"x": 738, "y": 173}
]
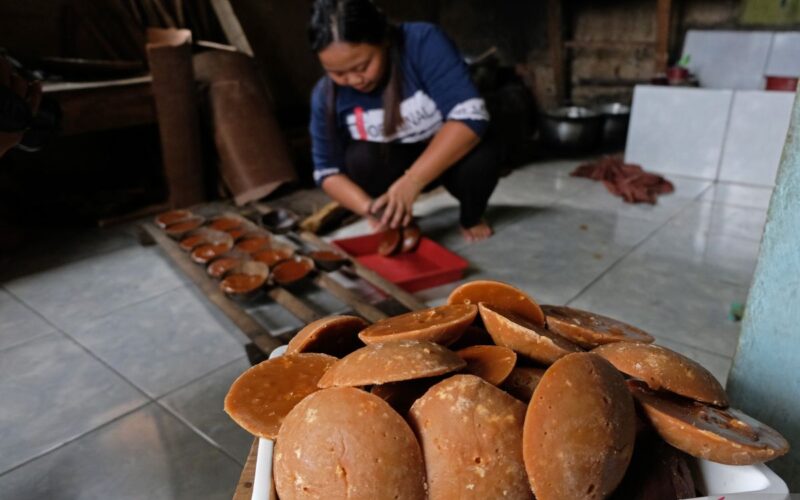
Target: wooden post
[
  {"x": 663, "y": 18},
  {"x": 555, "y": 37}
]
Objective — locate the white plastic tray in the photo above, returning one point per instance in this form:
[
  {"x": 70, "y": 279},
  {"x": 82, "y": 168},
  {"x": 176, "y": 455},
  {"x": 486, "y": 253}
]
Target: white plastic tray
[{"x": 715, "y": 479}]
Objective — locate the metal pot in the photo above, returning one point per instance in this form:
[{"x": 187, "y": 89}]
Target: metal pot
[
  {"x": 615, "y": 123},
  {"x": 572, "y": 128}
]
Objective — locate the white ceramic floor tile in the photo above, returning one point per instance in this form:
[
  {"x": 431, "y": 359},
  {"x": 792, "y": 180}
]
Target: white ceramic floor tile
[
  {"x": 597, "y": 197},
  {"x": 784, "y": 56},
  {"x": 200, "y": 404},
  {"x": 739, "y": 195},
  {"x": 756, "y": 134},
  {"x": 70, "y": 295},
  {"x": 731, "y": 259},
  {"x": 148, "y": 454},
  {"x": 53, "y": 391},
  {"x": 162, "y": 343},
  {"x": 18, "y": 323},
  {"x": 678, "y": 130},
  {"x": 728, "y": 59},
  {"x": 556, "y": 253},
  {"x": 723, "y": 220},
  {"x": 687, "y": 304}
]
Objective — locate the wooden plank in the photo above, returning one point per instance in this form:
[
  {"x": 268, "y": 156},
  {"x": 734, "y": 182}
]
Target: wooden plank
[
  {"x": 244, "y": 489},
  {"x": 369, "y": 275},
  {"x": 231, "y": 26},
  {"x": 555, "y": 40},
  {"x": 294, "y": 305},
  {"x": 663, "y": 19},
  {"x": 249, "y": 326},
  {"x": 368, "y": 311}
]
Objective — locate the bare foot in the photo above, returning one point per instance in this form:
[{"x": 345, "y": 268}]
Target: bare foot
[{"x": 478, "y": 232}]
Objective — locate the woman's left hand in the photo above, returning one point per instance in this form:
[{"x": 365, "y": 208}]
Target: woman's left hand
[{"x": 397, "y": 202}]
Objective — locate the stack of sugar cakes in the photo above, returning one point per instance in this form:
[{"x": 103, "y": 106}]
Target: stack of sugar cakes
[{"x": 490, "y": 396}]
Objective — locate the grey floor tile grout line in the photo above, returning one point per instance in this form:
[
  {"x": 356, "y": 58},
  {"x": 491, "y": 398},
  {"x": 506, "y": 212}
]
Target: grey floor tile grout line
[
  {"x": 197, "y": 431},
  {"x": 212, "y": 372},
  {"x": 87, "y": 350},
  {"x": 75, "y": 438},
  {"x": 636, "y": 247}
]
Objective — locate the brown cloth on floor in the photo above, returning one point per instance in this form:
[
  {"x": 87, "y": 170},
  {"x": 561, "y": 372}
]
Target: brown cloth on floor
[{"x": 626, "y": 180}]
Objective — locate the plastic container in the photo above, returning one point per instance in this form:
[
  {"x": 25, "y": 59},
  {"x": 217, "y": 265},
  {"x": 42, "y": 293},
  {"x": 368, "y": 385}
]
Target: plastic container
[
  {"x": 711, "y": 478},
  {"x": 428, "y": 266},
  {"x": 782, "y": 83}
]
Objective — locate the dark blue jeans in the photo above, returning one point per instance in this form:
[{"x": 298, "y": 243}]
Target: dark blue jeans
[{"x": 375, "y": 166}]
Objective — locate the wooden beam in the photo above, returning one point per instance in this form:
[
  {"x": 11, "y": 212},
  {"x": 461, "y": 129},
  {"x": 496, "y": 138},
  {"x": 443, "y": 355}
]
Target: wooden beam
[
  {"x": 367, "y": 311},
  {"x": 555, "y": 37},
  {"x": 663, "y": 20},
  {"x": 231, "y": 26}
]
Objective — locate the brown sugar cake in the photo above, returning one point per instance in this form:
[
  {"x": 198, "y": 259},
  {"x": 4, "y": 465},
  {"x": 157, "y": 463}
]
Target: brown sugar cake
[
  {"x": 726, "y": 436},
  {"x": 589, "y": 329},
  {"x": 272, "y": 256},
  {"x": 171, "y": 217},
  {"x": 390, "y": 242},
  {"x": 492, "y": 363},
  {"x": 443, "y": 325},
  {"x": 222, "y": 265},
  {"x": 334, "y": 335},
  {"x": 522, "y": 381},
  {"x": 411, "y": 236},
  {"x": 253, "y": 242},
  {"x": 179, "y": 229},
  {"x": 579, "y": 429},
  {"x": 663, "y": 369},
  {"x": 533, "y": 341},
  {"x": 264, "y": 394},
  {"x": 344, "y": 443},
  {"x": 392, "y": 362},
  {"x": 500, "y": 295},
  {"x": 470, "y": 433}
]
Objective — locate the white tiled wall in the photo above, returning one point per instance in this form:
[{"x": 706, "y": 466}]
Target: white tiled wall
[
  {"x": 757, "y": 130},
  {"x": 714, "y": 134},
  {"x": 677, "y": 130},
  {"x": 728, "y": 59},
  {"x": 784, "y": 58}
]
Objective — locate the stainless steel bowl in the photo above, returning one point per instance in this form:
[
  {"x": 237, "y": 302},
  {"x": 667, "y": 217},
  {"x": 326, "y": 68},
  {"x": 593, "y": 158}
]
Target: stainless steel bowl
[
  {"x": 615, "y": 123},
  {"x": 572, "y": 128}
]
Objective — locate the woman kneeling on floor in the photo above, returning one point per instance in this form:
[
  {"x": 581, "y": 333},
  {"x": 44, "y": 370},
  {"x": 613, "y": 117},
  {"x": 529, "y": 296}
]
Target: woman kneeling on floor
[{"x": 396, "y": 115}]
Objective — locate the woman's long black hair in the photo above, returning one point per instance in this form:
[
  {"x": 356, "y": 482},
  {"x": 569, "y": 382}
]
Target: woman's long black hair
[{"x": 359, "y": 21}]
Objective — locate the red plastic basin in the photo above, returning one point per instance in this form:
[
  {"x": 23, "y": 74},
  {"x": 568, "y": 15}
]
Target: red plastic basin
[{"x": 428, "y": 266}]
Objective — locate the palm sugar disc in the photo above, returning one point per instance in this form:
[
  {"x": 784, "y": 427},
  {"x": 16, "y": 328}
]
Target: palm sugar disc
[
  {"x": 334, "y": 335},
  {"x": 492, "y": 363},
  {"x": 392, "y": 362},
  {"x": 589, "y": 329},
  {"x": 264, "y": 394},
  {"x": 501, "y": 295},
  {"x": 726, "y": 436},
  {"x": 443, "y": 325},
  {"x": 662, "y": 368},
  {"x": 579, "y": 429},
  {"x": 471, "y": 433},
  {"x": 347, "y": 443},
  {"x": 533, "y": 341}
]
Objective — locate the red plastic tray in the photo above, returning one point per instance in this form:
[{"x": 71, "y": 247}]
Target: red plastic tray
[{"x": 428, "y": 266}]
